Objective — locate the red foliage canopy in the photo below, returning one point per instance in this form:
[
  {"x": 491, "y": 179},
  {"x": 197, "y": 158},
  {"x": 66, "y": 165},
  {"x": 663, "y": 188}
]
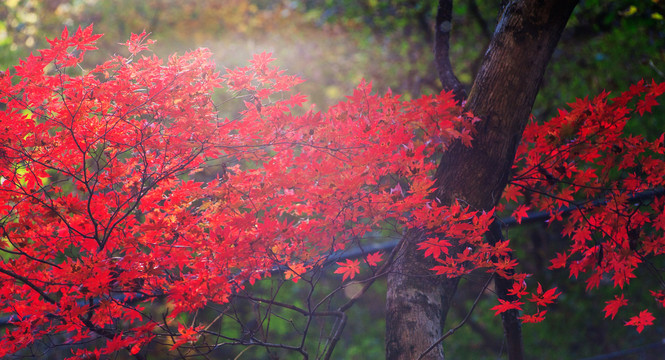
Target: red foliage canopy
[
  {"x": 101, "y": 214},
  {"x": 583, "y": 159}
]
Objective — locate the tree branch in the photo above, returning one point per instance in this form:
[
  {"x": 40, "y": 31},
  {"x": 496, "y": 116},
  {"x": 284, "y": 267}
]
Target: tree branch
[
  {"x": 511, "y": 324},
  {"x": 484, "y": 27},
  {"x": 442, "y": 50},
  {"x": 466, "y": 318},
  {"x": 27, "y": 281}
]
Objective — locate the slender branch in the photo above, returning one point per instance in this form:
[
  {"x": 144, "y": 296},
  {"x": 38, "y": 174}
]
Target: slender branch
[
  {"x": 448, "y": 79},
  {"x": 510, "y": 319},
  {"x": 338, "y": 333},
  {"x": 484, "y": 27},
  {"x": 26, "y": 281},
  {"x": 466, "y": 318},
  {"x": 383, "y": 270},
  {"x": 20, "y": 252}
]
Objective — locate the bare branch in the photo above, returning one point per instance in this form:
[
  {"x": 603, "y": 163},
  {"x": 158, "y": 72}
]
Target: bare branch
[
  {"x": 466, "y": 318},
  {"x": 442, "y": 50}
]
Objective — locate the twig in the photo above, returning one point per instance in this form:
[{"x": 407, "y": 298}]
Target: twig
[{"x": 468, "y": 315}]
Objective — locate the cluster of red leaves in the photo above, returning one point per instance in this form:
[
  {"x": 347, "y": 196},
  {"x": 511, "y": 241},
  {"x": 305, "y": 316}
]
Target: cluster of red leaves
[
  {"x": 350, "y": 268},
  {"x": 467, "y": 230},
  {"x": 540, "y": 298},
  {"x": 335, "y": 176},
  {"x": 583, "y": 160},
  {"x": 100, "y": 214},
  {"x": 92, "y": 211}
]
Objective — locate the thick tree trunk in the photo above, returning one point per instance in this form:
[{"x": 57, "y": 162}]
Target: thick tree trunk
[
  {"x": 502, "y": 96},
  {"x": 417, "y": 303}
]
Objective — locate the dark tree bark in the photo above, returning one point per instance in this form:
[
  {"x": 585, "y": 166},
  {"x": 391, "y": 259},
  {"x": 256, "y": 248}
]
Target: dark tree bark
[{"x": 502, "y": 95}]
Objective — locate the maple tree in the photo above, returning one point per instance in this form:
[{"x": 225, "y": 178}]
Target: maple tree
[{"x": 102, "y": 215}]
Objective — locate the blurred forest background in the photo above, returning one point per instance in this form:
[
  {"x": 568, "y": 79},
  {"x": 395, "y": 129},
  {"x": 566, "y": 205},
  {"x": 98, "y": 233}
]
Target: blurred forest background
[{"x": 333, "y": 44}]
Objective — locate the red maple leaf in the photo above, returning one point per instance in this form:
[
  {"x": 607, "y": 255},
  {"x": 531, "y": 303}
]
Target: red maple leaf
[
  {"x": 434, "y": 246},
  {"x": 518, "y": 289},
  {"x": 261, "y": 61},
  {"x": 559, "y": 261},
  {"x": 117, "y": 343},
  {"x": 512, "y": 192},
  {"x": 295, "y": 271},
  {"x": 138, "y": 42},
  {"x": 187, "y": 334},
  {"x": 374, "y": 259},
  {"x": 535, "y": 318},
  {"x": 506, "y": 305},
  {"x": 646, "y": 104},
  {"x": 659, "y": 296},
  {"x": 640, "y": 321},
  {"x": 520, "y": 213},
  {"x": 349, "y": 268},
  {"x": 544, "y": 298},
  {"x": 613, "y": 306}
]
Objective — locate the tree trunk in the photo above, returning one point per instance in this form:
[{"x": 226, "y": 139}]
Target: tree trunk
[{"x": 502, "y": 95}]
